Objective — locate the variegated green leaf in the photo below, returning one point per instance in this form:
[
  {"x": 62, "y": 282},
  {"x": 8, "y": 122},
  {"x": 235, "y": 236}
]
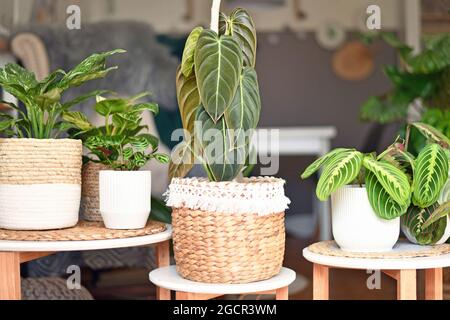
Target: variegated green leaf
[
  {"x": 399, "y": 158},
  {"x": 78, "y": 120},
  {"x": 340, "y": 170},
  {"x": 445, "y": 191},
  {"x": 413, "y": 225},
  {"x": 188, "y": 99},
  {"x": 182, "y": 159},
  {"x": 223, "y": 162},
  {"x": 382, "y": 203},
  {"x": 313, "y": 167},
  {"x": 430, "y": 175},
  {"x": 240, "y": 26},
  {"x": 243, "y": 113},
  {"x": 187, "y": 62},
  {"x": 441, "y": 211},
  {"x": 218, "y": 65},
  {"x": 393, "y": 180},
  {"x": 432, "y": 134}
]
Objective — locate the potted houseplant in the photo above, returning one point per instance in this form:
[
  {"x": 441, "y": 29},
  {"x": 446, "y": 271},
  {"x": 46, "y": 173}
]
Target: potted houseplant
[
  {"x": 226, "y": 229},
  {"x": 370, "y": 193},
  {"x": 114, "y": 186},
  {"x": 40, "y": 175},
  {"x": 427, "y": 220}
]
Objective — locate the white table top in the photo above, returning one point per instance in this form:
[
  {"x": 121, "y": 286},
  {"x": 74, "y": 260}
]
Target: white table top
[
  {"x": 168, "y": 278},
  {"x": 36, "y": 246},
  {"x": 382, "y": 264}
]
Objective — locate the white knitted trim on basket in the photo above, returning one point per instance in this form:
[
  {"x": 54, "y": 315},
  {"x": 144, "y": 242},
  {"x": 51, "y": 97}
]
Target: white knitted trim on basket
[{"x": 260, "y": 195}]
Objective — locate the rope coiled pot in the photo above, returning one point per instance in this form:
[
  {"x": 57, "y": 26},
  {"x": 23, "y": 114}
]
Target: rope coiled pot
[
  {"x": 90, "y": 201},
  {"x": 40, "y": 183},
  {"x": 228, "y": 232}
]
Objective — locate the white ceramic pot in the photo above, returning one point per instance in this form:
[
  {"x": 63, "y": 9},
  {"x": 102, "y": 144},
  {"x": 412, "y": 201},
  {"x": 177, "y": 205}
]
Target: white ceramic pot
[
  {"x": 356, "y": 227},
  {"x": 125, "y": 198}
]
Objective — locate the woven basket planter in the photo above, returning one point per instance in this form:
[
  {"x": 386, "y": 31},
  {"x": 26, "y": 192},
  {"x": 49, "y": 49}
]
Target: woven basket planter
[
  {"x": 90, "y": 205},
  {"x": 228, "y": 232},
  {"x": 40, "y": 183}
]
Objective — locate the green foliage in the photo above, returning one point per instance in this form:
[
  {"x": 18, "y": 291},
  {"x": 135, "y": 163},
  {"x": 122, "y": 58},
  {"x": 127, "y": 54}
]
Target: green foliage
[
  {"x": 426, "y": 77},
  {"x": 121, "y": 143},
  {"x": 217, "y": 89},
  {"x": 42, "y": 99}
]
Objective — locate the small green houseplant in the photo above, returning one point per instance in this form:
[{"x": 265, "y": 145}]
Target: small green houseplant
[
  {"x": 41, "y": 175},
  {"x": 381, "y": 189},
  {"x": 218, "y": 97},
  {"x": 118, "y": 149}
]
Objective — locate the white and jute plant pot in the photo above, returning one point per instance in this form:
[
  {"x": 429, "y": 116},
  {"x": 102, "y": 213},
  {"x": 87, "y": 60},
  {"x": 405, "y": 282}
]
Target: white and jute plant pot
[
  {"x": 356, "y": 227},
  {"x": 228, "y": 232},
  {"x": 90, "y": 201},
  {"x": 40, "y": 183},
  {"x": 125, "y": 198}
]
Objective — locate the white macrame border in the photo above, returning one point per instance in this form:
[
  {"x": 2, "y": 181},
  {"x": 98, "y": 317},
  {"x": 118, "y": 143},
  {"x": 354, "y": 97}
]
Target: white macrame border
[{"x": 255, "y": 195}]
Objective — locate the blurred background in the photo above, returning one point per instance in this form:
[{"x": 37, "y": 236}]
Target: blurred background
[{"x": 322, "y": 79}]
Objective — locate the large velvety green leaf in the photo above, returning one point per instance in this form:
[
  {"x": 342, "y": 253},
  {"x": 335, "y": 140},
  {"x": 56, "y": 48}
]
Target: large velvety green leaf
[
  {"x": 182, "y": 159},
  {"x": 340, "y": 170},
  {"x": 382, "y": 203},
  {"x": 241, "y": 27},
  {"x": 222, "y": 161},
  {"x": 393, "y": 180},
  {"x": 187, "y": 61},
  {"x": 188, "y": 99},
  {"x": 243, "y": 113},
  {"x": 413, "y": 225},
  {"x": 218, "y": 65},
  {"x": 323, "y": 160},
  {"x": 432, "y": 134},
  {"x": 430, "y": 175}
]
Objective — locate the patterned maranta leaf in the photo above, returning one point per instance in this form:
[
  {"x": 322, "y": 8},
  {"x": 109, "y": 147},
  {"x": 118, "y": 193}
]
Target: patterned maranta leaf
[{"x": 313, "y": 167}]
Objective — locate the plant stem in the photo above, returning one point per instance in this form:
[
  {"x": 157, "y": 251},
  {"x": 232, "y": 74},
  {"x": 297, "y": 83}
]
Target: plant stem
[
  {"x": 215, "y": 11},
  {"x": 407, "y": 133}
]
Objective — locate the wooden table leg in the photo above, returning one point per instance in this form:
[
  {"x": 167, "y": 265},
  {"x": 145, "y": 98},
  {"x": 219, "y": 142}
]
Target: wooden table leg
[
  {"x": 320, "y": 282},
  {"x": 10, "y": 276},
  {"x": 433, "y": 284},
  {"x": 163, "y": 260},
  {"x": 282, "y": 293},
  {"x": 407, "y": 285}
]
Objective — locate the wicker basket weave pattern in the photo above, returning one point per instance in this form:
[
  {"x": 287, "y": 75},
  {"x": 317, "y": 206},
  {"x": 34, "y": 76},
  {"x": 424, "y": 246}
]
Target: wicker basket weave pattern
[
  {"x": 90, "y": 205},
  {"x": 40, "y": 161},
  {"x": 228, "y": 247}
]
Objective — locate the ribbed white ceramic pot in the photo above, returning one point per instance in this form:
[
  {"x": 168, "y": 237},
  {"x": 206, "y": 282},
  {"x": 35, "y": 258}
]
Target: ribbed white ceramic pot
[
  {"x": 355, "y": 225},
  {"x": 125, "y": 198}
]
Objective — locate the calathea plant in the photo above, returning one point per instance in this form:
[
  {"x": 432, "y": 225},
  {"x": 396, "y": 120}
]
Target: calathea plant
[
  {"x": 41, "y": 118},
  {"x": 121, "y": 142},
  {"x": 218, "y": 97}
]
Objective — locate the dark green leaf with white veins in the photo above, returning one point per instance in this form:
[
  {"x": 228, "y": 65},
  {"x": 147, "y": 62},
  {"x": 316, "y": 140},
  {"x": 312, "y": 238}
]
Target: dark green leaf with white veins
[
  {"x": 313, "y": 167},
  {"x": 188, "y": 99},
  {"x": 393, "y": 180},
  {"x": 182, "y": 159},
  {"x": 382, "y": 203},
  {"x": 340, "y": 170},
  {"x": 430, "y": 175},
  {"x": 241, "y": 27},
  {"x": 223, "y": 161},
  {"x": 243, "y": 113},
  {"x": 218, "y": 65},
  {"x": 187, "y": 62}
]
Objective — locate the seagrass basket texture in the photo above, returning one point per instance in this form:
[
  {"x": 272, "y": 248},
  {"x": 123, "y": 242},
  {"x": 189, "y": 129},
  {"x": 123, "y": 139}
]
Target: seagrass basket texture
[
  {"x": 90, "y": 203},
  {"x": 231, "y": 242}
]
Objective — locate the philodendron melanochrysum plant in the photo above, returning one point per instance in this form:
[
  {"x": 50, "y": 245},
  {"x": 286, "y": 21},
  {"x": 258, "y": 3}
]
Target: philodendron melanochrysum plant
[
  {"x": 395, "y": 181},
  {"x": 217, "y": 90},
  {"x": 121, "y": 142},
  {"x": 41, "y": 118}
]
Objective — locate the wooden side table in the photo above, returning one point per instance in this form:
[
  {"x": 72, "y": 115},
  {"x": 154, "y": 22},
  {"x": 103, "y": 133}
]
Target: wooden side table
[
  {"x": 13, "y": 253},
  {"x": 402, "y": 269},
  {"x": 168, "y": 278}
]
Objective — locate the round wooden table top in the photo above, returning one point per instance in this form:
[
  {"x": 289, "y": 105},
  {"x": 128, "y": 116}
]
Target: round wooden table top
[
  {"x": 168, "y": 278},
  {"x": 404, "y": 255}
]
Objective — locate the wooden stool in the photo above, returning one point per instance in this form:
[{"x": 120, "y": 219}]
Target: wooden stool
[
  {"x": 168, "y": 278},
  {"x": 402, "y": 269}
]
